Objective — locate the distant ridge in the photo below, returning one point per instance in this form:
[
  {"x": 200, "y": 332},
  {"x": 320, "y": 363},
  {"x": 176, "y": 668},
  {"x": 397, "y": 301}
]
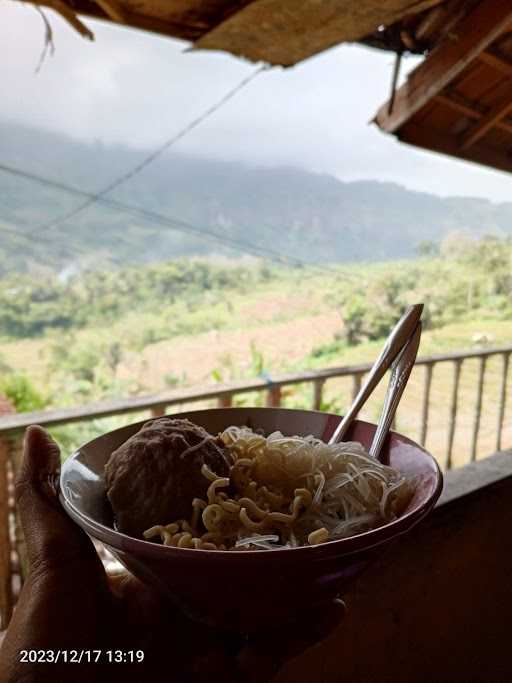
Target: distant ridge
[{"x": 311, "y": 216}]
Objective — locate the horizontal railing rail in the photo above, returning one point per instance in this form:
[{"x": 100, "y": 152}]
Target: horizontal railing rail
[{"x": 157, "y": 403}]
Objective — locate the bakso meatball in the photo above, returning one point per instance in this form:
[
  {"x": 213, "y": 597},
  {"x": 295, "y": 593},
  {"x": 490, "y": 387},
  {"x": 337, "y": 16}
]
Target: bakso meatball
[{"x": 153, "y": 477}]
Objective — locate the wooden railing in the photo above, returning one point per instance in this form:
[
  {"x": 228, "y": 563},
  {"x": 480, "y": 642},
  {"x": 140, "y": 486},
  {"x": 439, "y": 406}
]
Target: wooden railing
[{"x": 13, "y": 426}]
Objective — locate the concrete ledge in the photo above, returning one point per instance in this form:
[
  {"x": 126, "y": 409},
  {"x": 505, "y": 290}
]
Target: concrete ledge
[
  {"x": 437, "y": 607},
  {"x": 476, "y": 476}
]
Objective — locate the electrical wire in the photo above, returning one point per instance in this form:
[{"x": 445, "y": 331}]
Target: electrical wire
[
  {"x": 168, "y": 221},
  {"x": 93, "y": 198}
]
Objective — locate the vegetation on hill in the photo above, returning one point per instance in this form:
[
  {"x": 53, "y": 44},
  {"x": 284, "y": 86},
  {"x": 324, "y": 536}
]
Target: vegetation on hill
[
  {"x": 312, "y": 217},
  {"x": 91, "y": 324}
]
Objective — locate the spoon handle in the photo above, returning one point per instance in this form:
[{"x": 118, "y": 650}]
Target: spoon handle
[
  {"x": 400, "y": 371},
  {"x": 394, "y": 344}
]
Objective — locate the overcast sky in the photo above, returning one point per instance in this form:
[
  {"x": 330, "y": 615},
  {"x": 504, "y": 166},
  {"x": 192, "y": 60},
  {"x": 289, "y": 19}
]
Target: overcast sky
[{"x": 139, "y": 89}]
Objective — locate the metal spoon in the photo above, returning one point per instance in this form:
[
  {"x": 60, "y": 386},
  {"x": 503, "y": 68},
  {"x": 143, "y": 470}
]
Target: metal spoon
[
  {"x": 396, "y": 341},
  {"x": 400, "y": 371}
]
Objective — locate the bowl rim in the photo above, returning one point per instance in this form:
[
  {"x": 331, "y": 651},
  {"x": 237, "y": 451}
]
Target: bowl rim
[{"x": 341, "y": 546}]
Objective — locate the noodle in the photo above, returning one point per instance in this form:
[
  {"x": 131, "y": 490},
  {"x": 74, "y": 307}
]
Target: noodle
[{"x": 284, "y": 492}]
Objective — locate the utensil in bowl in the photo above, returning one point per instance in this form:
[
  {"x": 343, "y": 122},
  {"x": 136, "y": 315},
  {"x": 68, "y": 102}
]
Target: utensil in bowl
[
  {"x": 395, "y": 342},
  {"x": 400, "y": 372},
  {"x": 250, "y": 589}
]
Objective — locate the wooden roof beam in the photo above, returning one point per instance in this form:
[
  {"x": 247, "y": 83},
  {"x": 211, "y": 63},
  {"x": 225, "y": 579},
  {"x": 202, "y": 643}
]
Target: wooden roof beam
[
  {"x": 113, "y": 10},
  {"x": 468, "y": 109},
  {"x": 493, "y": 116},
  {"x": 475, "y": 33},
  {"x": 436, "y": 141},
  {"x": 189, "y": 30},
  {"x": 496, "y": 62}
]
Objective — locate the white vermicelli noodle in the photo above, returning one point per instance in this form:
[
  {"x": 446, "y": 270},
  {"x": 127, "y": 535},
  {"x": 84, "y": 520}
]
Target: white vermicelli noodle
[{"x": 287, "y": 492}]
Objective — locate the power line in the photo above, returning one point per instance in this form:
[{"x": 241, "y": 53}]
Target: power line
[
  {"x": 151, "y": 157},
  {"x": 173, "y": 223}
]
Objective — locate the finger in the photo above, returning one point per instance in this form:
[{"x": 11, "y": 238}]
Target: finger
[
  {"x": 265, "y": 654},
  {"x": 53, "y": 541}
]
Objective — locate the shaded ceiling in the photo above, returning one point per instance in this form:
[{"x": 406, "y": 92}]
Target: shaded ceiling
[{"x": 458, "y": 101}]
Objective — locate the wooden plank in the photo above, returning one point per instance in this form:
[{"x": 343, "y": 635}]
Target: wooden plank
[
  {"x": 426, "y": 403},
  {"x": 69, "y": 15},
  {"x": 498, "y": 112},
  {"x": 466, "y": 108},
  {"x": 496, "y": 62},
  {"x": 186, "y": 30},
  {"x": 274, "y": 397},
  {"x": 503, "y": 399},
  {"x": 453, "y": 412},
  {"x": 225, "y": 401},
  {"x": 318, "y": 387},
  {"x": 478, "y": 406},
  {"x": 356, "y": 384},
  {"x": 113, "y": 10},
  {"x": 475, "y": 33},
  {"x": 435, "y": 141},
  {"x": 429, "y": 24},
  {"x": 6, "y": 598}
]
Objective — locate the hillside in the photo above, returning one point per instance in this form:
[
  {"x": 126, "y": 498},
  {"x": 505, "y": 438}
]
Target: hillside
[{"x": 310, "y": 216}]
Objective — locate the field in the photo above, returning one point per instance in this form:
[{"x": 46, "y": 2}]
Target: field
[{"x": 284, "y": 321}]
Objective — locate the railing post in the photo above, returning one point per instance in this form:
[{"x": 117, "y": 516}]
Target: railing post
[
  {"x": 478, "y": 406},
  {"x": 356, "y": 384},
  {"x": 503, "y": 399},
  {"x": 225, "y": 401},
  {"x": 158, "y": 411},
  {"x": 318, "y": 386},
  {"x": 426, "y": 402},
  {"x": 274, "y": 397},
  {"x": 453, "y": 411}
]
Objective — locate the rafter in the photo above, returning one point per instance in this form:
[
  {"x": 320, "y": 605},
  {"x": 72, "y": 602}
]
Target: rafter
[
  {"x": 436, "y": 141},
  {"x": 493, "y": 116},
  {"x": 475, "y": 33},
  {"x": 498, "y": 63},
  {"x": 469, "y": 109}
]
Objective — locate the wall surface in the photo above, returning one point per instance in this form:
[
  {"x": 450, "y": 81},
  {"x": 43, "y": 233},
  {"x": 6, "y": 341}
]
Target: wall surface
[{"x": 437, "y": 608}]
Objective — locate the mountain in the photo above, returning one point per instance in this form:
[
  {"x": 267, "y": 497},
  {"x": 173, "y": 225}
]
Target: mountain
[{"x": 309, "y": 216}]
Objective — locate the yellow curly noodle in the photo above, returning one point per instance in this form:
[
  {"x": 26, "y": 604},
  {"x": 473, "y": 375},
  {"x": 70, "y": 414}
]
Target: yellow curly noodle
[{"x": 285, "y": 492}]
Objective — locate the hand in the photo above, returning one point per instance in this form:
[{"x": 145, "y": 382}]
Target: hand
[{"x": 68, "y": 602}]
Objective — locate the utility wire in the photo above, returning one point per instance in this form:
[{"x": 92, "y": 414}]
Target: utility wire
[
  {"x": 168, "y": 221},
  {"x": 151, "y": 157},
  {"x": 175, "y": 224}
]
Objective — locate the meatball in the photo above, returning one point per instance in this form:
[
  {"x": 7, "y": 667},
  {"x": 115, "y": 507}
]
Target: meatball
[{"x": 153, "y": 477}]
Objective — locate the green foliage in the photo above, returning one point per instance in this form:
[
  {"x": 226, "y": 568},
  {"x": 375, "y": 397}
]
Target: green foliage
[
  {"x": 173, "y": 380},
  {"x": 86, "y": 370},
  {"x": 21, "y": 392},
  {"x": 31, "y": 306},
  {"x": 427, "y": 248},
  {"x": 330, "y": 349}
]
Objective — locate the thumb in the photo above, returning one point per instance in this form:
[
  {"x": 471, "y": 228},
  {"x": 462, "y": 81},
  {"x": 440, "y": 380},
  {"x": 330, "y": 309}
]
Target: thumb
[{"x": 53, "y": 541}]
